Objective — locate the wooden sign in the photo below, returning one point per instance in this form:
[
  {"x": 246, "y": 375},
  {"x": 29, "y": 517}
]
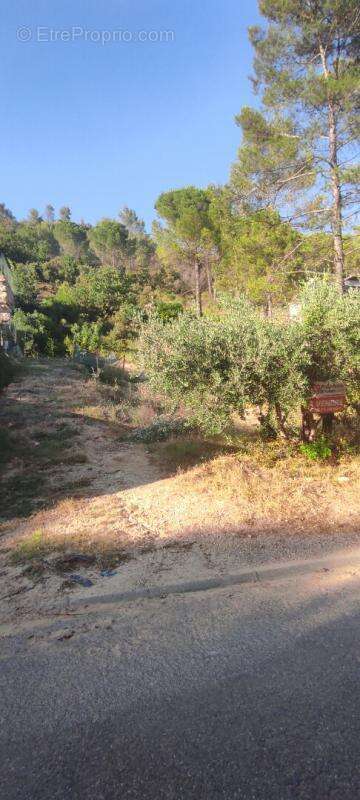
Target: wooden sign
[{"x": 328, "y": 397}]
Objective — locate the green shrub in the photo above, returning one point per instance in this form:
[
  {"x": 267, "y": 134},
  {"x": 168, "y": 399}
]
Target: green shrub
[
  {"x": 319, "y": 450},
  {"x": 37, "y": 333},
  {"x": 25, "y": 283},
  {"x": 168, "y": 311},
  {"x": 83, "y": 336},
  {"x": 331, "y": 332},
  {"x": 219, "y": 366}
]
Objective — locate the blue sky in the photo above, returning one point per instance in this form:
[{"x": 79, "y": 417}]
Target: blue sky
[{"x": 98, "y": 126}]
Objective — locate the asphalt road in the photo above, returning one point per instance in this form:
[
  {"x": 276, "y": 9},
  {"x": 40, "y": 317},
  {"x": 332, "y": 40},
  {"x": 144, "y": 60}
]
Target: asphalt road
[{"x": 251, "y": 691}]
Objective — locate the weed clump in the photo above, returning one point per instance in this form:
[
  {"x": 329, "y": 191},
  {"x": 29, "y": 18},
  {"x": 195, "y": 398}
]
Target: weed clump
[
  {"x": 319, "y": 450},
  {"x": 33, "y": 546}
]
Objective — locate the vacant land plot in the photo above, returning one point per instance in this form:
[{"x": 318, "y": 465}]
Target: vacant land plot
[{"x": 82, "y": 496}]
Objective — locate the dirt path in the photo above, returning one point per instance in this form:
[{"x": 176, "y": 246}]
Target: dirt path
[
  {"x": 64, "y": 470},
  {"x": 71, "y": 518},
  {"x": 58, "y": 421}
]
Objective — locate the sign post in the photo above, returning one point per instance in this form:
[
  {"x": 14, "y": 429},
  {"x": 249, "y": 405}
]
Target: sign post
[{"x": 327, "y": 399}]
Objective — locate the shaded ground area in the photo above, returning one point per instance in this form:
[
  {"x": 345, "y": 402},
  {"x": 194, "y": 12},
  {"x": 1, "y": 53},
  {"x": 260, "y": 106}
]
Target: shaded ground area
[
  {"x": 63, "y": 472},
  {"x": 83, "y": 509},
  {"x": 53, "y": 446}
]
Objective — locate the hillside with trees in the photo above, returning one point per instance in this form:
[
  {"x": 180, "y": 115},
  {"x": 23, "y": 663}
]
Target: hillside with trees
[{"x": 287, "y": 218}]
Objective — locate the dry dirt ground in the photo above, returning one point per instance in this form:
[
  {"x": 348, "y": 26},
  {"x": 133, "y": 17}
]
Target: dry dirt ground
[{"x": 85, "y": 512}]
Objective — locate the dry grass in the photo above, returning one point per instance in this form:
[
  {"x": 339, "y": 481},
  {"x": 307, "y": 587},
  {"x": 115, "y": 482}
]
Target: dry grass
[
  {"x": 108, "y": 550},
  {"x": 264, "y": 488}
]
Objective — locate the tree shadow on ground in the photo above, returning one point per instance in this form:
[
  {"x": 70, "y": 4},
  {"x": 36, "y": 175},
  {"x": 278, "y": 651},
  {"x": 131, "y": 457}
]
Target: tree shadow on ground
[{"x": 43, "y": 453}]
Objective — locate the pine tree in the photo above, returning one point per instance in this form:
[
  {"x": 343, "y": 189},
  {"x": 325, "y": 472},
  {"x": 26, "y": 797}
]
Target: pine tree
[
  {"x": 134, "y": 225},
  {"x": 65, "y": 213},
  {"x": 49, "y": 213},
  {"x": 298, "y": 151},
  {"x": 188, "y": 233},
  {"x": 34, "y": 216}
]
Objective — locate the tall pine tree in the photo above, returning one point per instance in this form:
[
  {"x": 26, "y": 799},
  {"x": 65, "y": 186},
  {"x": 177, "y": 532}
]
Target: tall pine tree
[{"x": 298, "y": 151}]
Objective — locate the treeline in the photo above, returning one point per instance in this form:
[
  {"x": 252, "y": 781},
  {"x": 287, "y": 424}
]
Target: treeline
[
  {"x": 287, "y": 213},
  {"x": 78, "y": 285}
]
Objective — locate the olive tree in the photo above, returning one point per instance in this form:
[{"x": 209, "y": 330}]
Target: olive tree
[{"x": 219, "y": 366}]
